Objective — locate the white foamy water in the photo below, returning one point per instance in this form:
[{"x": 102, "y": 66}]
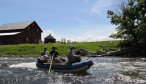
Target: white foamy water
[
  {"x": 124, "y": 71},
  {"x": 106, "y": 70},
  {"x": 120, "y": 66},
  {"x": 31, "y": 65},
  {"x": 125, "y": 79},
  {"x": 115, "y": 67}
]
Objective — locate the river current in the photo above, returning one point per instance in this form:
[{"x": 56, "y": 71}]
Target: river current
[{"x": 106, "y": 70}]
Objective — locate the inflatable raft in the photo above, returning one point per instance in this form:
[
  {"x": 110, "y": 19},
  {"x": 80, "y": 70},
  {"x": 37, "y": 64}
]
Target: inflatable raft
[{"x": 67, "y": 68}]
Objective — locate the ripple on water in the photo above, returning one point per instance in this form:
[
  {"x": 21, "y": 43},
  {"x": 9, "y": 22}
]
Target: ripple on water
[{"x": 104, "y": 71}]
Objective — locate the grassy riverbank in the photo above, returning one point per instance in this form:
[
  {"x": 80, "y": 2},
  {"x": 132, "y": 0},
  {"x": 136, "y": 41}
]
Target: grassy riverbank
[{"x": 35, "y": 49}]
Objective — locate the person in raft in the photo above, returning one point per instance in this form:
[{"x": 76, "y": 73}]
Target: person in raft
[
  {"x": 55, "y": 54},
  {"x": 44, "y": 55},
  {"x": 72, "y": 58}
]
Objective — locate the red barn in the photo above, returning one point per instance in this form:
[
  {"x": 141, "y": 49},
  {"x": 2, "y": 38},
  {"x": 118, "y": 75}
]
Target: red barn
[{"x": 20, "y": 33}]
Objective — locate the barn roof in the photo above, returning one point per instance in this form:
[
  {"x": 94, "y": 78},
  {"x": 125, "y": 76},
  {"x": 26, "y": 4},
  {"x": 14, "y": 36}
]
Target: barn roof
[
  {"x": 49, "y": 37},
  {"x": 14, "y": 26}
]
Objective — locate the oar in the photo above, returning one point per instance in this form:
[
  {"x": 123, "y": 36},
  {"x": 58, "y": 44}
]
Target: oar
[{"x": 51, "y": 63}]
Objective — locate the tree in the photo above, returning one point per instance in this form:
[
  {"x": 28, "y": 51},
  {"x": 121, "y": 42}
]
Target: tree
[
  {"x": 63, "y": 40},
  {"x": 130, "y": 21}
]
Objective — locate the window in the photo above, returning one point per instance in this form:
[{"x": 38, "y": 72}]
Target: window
[
  {"x": 36, "y": 40},
  {"x": 27, "y": 39}
]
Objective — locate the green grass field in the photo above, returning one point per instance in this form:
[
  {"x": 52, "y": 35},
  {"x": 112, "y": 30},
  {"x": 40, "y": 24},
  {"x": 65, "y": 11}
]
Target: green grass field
[{"x": 35, "y": 49}]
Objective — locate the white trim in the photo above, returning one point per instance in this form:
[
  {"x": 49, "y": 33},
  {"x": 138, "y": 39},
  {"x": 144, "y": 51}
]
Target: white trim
[{"x": 12, "y": 33}]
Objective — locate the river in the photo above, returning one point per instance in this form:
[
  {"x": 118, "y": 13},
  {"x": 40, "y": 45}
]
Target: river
[{"x": 106, "y": 70}]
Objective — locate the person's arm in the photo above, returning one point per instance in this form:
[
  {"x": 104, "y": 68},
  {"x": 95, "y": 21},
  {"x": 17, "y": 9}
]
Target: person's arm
[
  {"x": 57, "y": 53},
  {"x": 47, "y": 53},
  {"x": 76, "y": 55}
]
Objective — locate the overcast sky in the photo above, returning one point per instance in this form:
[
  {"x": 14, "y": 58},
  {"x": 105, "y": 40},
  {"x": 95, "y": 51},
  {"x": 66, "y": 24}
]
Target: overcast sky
[{"x": 78, "y": 20}]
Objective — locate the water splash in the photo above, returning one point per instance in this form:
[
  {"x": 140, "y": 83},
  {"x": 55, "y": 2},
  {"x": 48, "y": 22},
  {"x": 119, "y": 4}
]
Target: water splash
[
  {"x": 31, "y": 65},
  {"x": 106, "y": 70}
]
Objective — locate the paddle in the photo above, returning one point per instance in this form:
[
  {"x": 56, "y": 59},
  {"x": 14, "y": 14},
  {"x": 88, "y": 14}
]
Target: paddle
[{"x": 51, "y": 63}]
